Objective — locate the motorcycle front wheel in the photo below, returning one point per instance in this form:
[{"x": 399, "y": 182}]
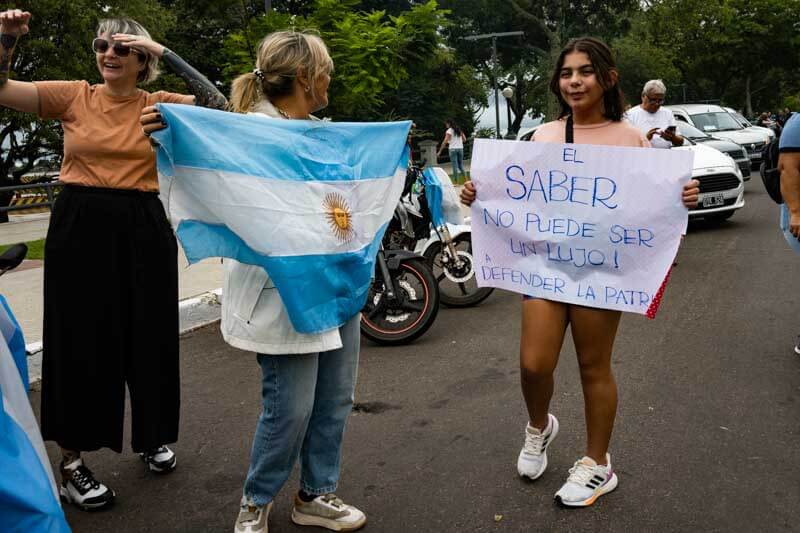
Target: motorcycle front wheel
[
  {"x": 465, "y": 293},
  {"x": 411, "y": 313}
]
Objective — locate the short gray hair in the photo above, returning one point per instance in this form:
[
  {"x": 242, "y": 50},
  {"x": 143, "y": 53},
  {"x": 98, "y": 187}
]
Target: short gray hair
[
  {"x": 131, "y": 27},
  {"x": 654, "y": 86}
]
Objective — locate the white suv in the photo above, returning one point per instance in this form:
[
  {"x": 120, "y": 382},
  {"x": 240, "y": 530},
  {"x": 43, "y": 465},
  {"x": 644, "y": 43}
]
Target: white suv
[{"x": 714, "y": 120}]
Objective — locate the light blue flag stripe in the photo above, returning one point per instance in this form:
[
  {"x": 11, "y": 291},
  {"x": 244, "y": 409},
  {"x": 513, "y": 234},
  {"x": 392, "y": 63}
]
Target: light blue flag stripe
[
  {"x": 28, "y": 497},
  {"x": 433, "y": 194},
  {"x": 794, "y": 244},
  {"x": 278, "y": 149}
]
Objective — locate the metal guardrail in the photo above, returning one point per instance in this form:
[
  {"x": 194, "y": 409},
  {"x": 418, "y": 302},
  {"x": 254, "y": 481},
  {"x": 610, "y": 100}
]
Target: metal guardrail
[{"x": 48, "y": 193}]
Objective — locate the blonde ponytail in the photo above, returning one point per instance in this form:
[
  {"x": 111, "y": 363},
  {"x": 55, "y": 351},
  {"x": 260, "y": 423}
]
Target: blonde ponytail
[
  {"x": 245, "y": 92},
  {"x": 281, "y": 55}
]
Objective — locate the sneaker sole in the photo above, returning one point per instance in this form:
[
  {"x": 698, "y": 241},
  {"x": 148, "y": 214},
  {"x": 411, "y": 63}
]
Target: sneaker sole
[
  {"x": 605, "y": 489},
  {"x": 544, "y": 462},
  {"x": 302, "y": 519},
  {"x": 65, "y": 497}
]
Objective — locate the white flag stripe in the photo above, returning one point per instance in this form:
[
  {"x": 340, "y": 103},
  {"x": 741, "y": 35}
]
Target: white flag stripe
[{"x": 260, "y": 209}]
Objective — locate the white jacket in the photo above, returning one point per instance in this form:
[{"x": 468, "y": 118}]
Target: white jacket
[{"x": 253, "y": 315}]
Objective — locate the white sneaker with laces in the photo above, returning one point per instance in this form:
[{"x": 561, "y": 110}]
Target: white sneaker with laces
[
  {"x": 79, "y": 487},
  {"x": 329, "y": 512},
  {"x": 252, "y": 518},
  {"x": 587, "y": 481},
  {"x": 532, "y": 461}
]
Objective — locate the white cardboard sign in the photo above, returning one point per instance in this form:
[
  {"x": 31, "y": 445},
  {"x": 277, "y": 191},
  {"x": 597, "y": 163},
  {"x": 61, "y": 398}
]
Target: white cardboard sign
[{"x": 591, "y": 225}]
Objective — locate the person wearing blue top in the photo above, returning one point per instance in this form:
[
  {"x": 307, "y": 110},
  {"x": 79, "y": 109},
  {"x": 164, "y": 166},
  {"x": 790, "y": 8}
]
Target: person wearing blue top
[{"x": 789, "y": 168}]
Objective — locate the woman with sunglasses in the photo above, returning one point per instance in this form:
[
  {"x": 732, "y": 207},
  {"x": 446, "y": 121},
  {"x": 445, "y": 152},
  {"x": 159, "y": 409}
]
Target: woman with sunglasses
[{"x": 111, "y": 281}]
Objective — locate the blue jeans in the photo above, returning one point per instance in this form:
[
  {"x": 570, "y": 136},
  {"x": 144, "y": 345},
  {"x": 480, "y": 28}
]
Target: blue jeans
[
  {"x": 457, "y": 160},
  {"x": 307, "y": 398}
]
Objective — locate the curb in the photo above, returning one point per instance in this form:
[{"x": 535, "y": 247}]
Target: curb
[{"x": 195, "y": 313}]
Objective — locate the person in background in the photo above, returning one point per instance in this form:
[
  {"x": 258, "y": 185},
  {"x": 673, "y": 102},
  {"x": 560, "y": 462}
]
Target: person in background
[
  {"x": 454, "y": 139},
  {"x": 789, "y": 168},
  {"x": 657, "y": 123}
]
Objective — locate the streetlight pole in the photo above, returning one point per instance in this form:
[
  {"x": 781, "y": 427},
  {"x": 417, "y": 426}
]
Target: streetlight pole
[
  {"x": 508, "y": 94},
  {"x": 493, "y": 37}
]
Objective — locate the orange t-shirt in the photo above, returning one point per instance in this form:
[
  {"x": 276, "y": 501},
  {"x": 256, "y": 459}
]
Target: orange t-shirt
[
  {"x": 103, "y": 141},
  {"x": 606, "y": 133}
]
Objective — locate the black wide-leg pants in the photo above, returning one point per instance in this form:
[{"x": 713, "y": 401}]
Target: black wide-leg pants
[{"x": 110, "y": 319}]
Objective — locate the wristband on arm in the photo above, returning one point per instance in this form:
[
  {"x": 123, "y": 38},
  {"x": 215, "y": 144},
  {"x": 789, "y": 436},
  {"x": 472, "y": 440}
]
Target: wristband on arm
[{"x": 7, "y": 44}]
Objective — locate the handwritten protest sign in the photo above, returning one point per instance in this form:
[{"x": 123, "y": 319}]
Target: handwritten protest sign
[{"x": 590, "y": 225}]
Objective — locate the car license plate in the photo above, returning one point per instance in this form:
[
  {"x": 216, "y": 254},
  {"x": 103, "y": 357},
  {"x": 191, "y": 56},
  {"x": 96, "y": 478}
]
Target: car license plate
[{"x": 714, "y": 200}]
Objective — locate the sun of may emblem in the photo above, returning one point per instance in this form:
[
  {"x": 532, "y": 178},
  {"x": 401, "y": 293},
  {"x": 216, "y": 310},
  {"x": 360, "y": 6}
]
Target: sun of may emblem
[{"x": 339, "y": 216}]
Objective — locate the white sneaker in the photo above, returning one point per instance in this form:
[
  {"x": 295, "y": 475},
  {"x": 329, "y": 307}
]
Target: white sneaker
[
  {"x": 160, "y": 460},
  {"x": 329, "y": 512},
  {"x": 252, "y": 518},
  {"x": 532, "y": 460},
  {"x": 587, "y": 481},
  {"x": 79, "y": 487}
]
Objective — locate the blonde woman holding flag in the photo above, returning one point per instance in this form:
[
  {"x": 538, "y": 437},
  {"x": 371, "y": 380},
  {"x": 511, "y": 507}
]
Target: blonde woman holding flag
[{"x": 308, "y": 378}]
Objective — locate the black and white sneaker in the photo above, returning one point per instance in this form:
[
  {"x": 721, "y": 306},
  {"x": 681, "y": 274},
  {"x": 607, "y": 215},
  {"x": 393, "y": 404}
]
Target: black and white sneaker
[
  {"x": 79, "y": 487},
  {"x": 797, "y": 346},
  {"x": 160, "y": 460}
]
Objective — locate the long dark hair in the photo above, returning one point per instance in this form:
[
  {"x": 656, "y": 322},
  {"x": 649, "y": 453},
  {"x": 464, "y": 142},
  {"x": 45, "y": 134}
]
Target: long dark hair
[
  {"x": 452, "y": 124},
  {"x": 603, "y": 63}
]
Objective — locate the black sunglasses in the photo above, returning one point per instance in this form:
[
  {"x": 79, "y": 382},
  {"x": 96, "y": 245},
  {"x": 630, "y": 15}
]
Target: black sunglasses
[{"x": 100, "y": 46}]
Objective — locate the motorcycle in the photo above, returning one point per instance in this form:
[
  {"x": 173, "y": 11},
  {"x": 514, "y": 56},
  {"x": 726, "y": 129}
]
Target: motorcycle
[
  {"x": 403, "y": 300},
  {"x": 420, "y": 225}
]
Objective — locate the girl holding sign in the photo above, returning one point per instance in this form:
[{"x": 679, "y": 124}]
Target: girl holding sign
[{"x": 585, "y": 82}]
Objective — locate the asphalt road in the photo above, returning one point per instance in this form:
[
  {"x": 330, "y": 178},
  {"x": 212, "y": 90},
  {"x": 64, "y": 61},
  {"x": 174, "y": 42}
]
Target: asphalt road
[{"x": 707, "y": 436}]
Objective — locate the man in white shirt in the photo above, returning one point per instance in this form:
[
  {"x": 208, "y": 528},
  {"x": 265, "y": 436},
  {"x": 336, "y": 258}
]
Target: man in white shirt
[{"x": 656, "y": 123}]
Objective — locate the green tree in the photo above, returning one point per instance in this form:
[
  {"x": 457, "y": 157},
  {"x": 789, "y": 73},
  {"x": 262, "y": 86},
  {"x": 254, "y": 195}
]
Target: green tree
[
  {"x": 364, "y": 48},
  {"x": 639, "y": 59},
  {"x": 742, "y": 52},
  {"x": 376, "y": 55},
  {"x": 526, "y": 63}
]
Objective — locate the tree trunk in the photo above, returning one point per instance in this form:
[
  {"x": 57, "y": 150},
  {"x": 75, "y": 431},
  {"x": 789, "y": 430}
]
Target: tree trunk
[{"x": 748, "y": 98}]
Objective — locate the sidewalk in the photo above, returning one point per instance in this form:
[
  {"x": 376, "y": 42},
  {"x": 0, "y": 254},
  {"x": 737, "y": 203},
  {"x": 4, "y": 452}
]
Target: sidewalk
[
  {"x": 24, "y": 228},
  {"x": 23, "y": 287}
]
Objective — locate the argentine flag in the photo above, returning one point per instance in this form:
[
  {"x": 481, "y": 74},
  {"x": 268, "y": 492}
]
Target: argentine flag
[
  {"x": 441, "y": 196},
  {"x": 308, "y": 201},
  {"x": 28, "y": 494}
]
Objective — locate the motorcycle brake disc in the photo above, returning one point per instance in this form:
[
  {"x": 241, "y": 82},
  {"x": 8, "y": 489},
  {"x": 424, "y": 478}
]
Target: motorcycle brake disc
[{"x": 460, "y": 275}]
